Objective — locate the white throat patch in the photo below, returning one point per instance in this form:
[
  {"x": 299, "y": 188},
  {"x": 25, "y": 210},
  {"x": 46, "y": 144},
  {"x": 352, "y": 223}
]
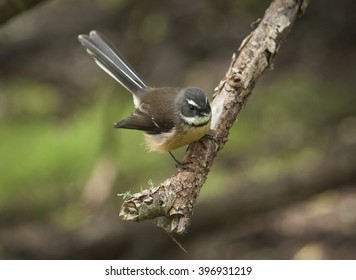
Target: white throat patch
[{"x": 196, "y": 121}]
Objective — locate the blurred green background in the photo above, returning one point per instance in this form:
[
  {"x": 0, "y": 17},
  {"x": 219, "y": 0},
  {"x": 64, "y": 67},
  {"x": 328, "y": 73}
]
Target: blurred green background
[{"x": 62, "y": 164}]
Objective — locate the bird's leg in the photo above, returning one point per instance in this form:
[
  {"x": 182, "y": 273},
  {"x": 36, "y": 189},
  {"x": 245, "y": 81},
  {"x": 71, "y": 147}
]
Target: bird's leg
[{"x": 178, "y": 163}]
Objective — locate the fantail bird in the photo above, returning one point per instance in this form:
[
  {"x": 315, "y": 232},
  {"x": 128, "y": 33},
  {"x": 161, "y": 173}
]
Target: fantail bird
[{"x": 170, "y": 117}]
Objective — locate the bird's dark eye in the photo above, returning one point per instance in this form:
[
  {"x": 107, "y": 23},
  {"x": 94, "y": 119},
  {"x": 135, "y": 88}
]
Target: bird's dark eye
[{"x": 191, "y": 107}]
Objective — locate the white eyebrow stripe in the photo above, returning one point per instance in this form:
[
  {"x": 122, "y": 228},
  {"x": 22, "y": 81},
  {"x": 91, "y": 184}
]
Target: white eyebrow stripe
[{"x": 191, "y": 102}]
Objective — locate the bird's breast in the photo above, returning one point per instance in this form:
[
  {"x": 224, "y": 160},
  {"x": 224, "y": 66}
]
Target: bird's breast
[{"x": 178, "y": 137}]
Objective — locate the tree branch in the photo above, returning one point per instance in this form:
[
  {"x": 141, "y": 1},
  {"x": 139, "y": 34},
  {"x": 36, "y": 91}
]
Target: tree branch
[
  {"x": 172, "y": 202},
  {"x": 10, "y": 8}
]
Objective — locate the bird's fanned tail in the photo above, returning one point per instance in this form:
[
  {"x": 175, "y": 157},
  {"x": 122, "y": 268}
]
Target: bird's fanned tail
[{"x": 112, "y": 62}]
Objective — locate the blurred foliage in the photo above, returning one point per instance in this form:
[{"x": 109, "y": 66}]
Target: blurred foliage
[
  {"x": 53, "y": 156},
  {"x": 57, "y": 108}
]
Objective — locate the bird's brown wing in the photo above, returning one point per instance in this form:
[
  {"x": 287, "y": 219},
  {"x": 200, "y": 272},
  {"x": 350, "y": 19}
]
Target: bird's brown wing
[{"x": 143, "y": 119}]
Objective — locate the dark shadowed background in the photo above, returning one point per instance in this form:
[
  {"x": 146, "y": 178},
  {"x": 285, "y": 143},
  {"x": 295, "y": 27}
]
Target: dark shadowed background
[{"x": 282, "y": 188}]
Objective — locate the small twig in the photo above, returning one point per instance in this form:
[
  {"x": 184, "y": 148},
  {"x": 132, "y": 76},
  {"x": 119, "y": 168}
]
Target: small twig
[{"x": 178, "y": 243}]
